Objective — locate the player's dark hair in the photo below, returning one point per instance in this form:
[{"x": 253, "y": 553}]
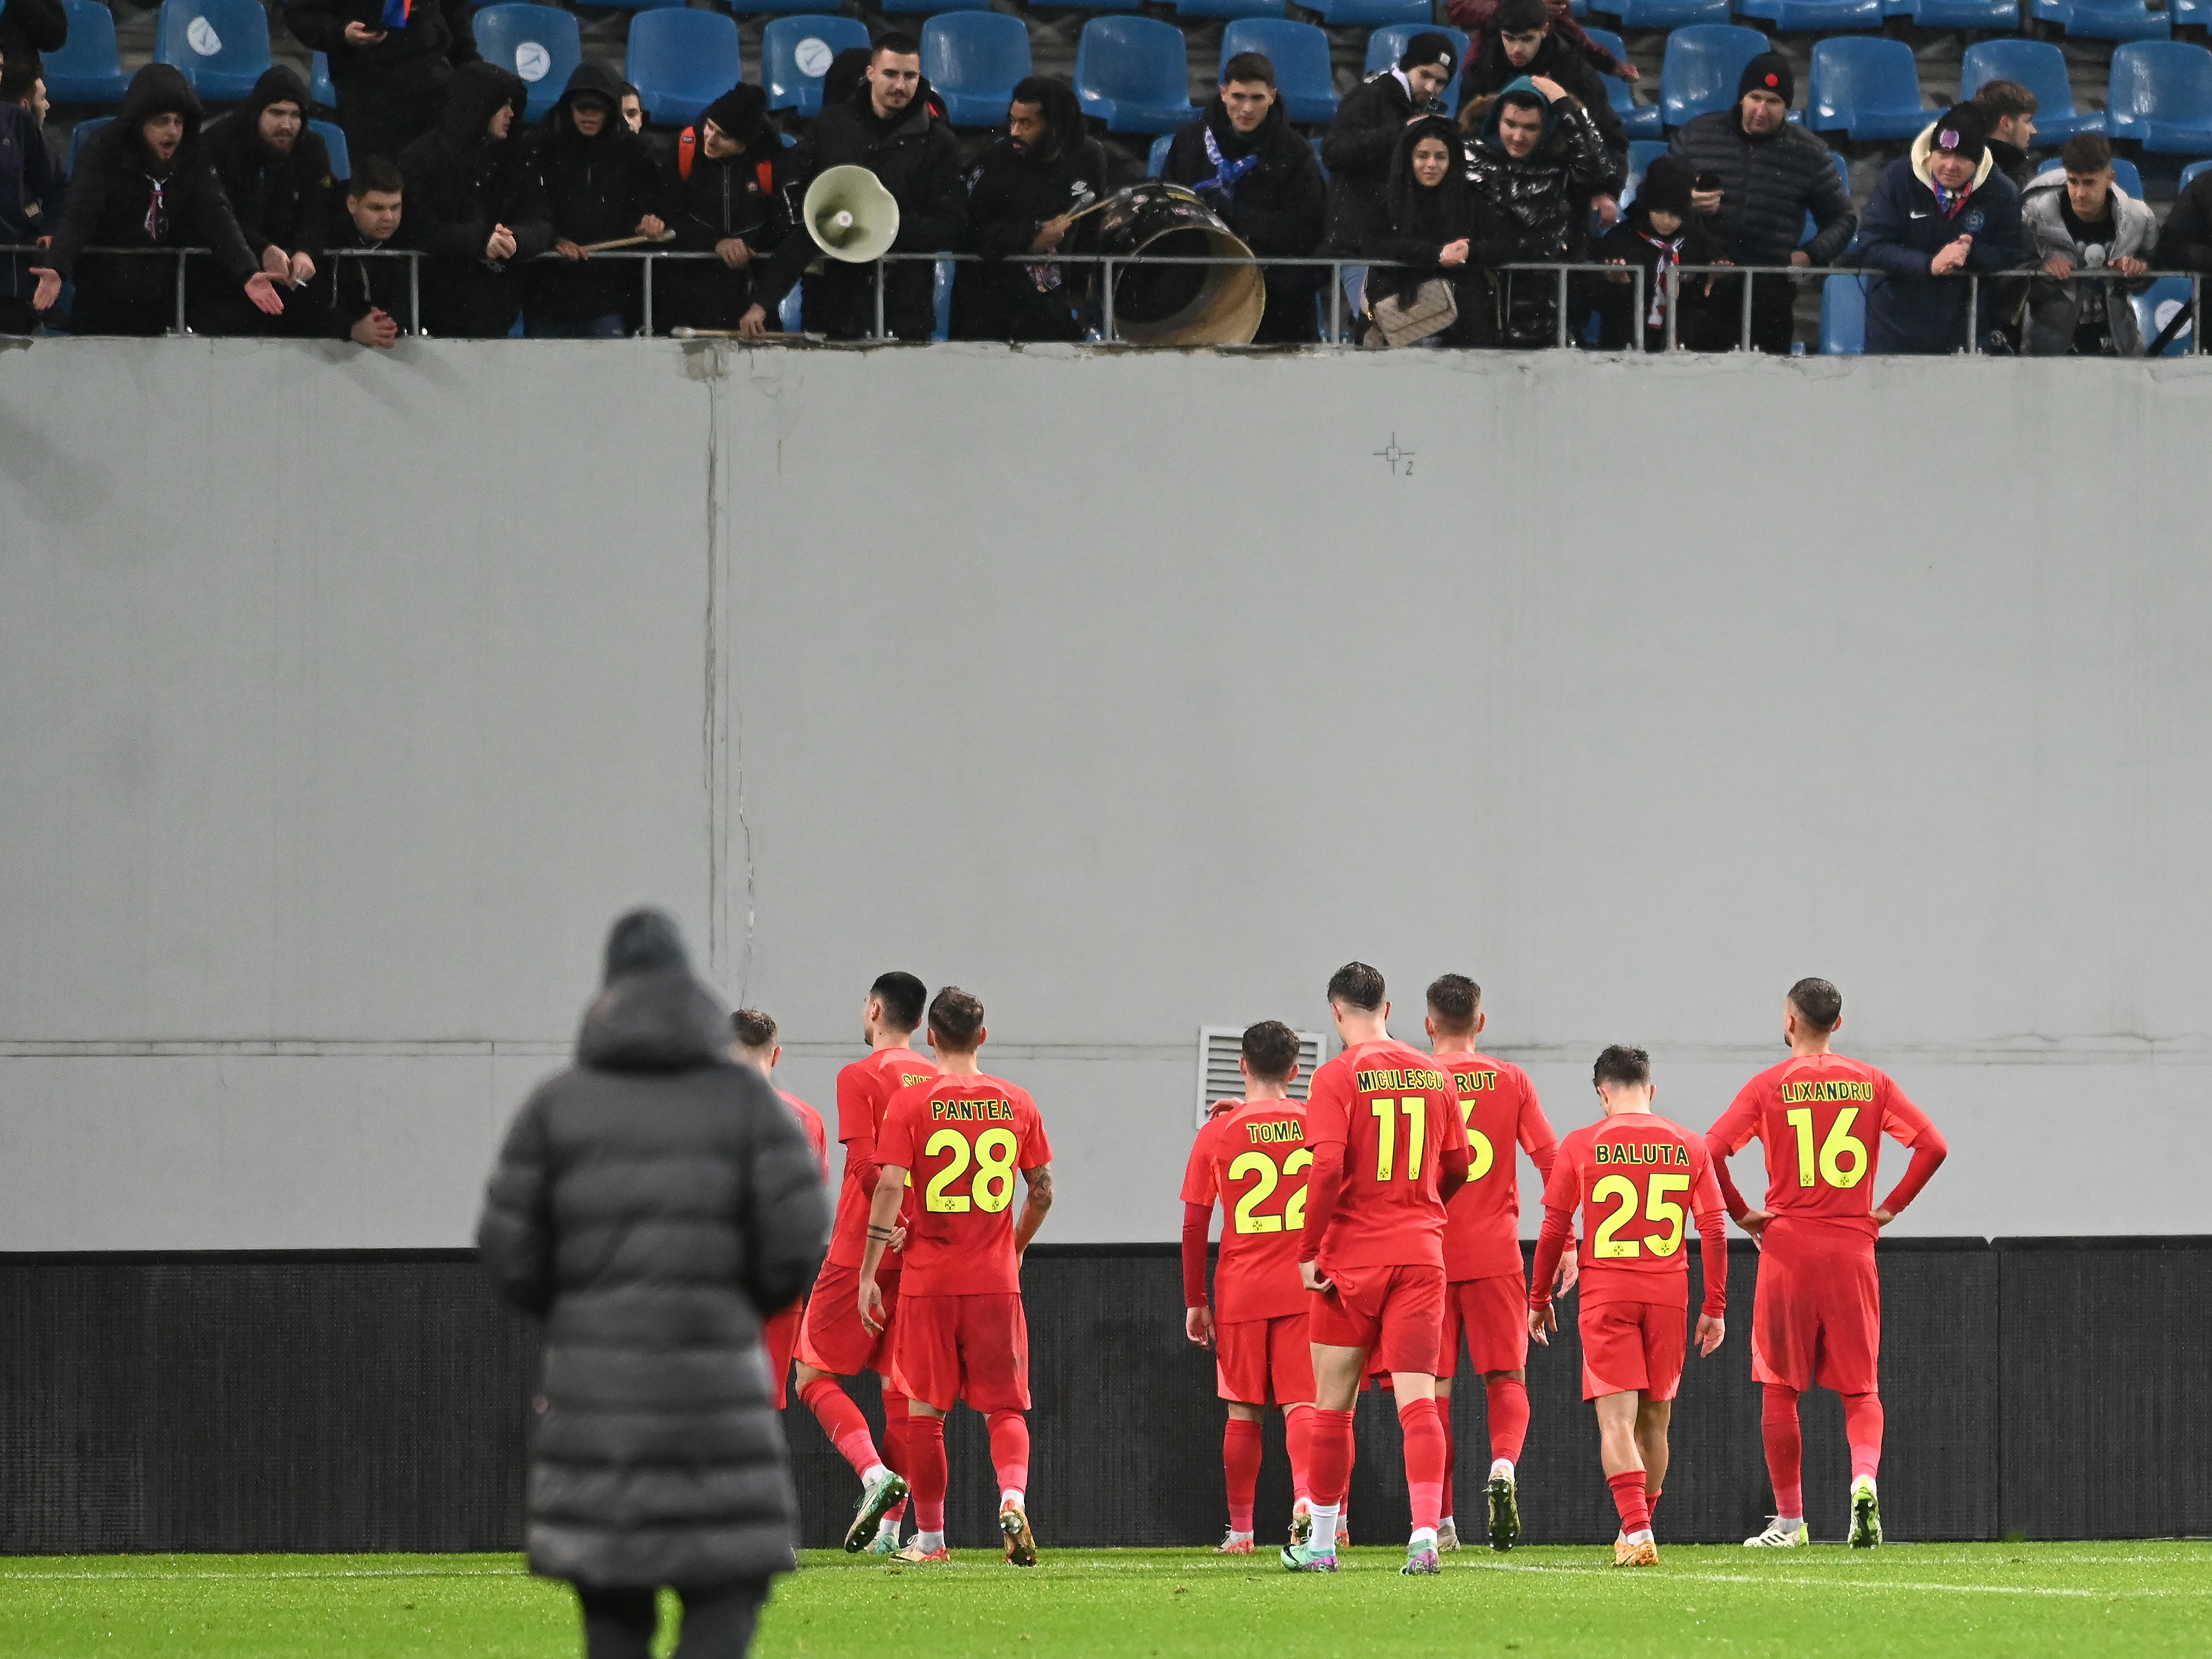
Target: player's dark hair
[
  {"x": 902, "y": 996},
  {"x": 895, "y": 40},
  {"x": 1454, "y": 1001},
  {"x": 1357, "y": 984},
  {"x": 1521, "y": 17},
  {"x": 1621, "y": 1065},
  {"x": 2087, "y": 152},
  {"x": 752, "y": 1028},
  {"x": 956, "y": 1020},
  {"x": 16, "y": 81},
  {"x": 1819, "y": 1003},
  {"x": 1270, "y": 1049},
  {"x": 376, "y": 172},
  {"x": 1062, "y": 110},
  {"x": 1247, "y": 67},
  {"x": 1998, "y": 99}
]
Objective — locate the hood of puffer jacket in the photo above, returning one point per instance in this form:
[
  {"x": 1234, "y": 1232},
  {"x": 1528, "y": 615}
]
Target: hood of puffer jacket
[
  {"x": 1924, "y": 146},
  {"x": 159, "y": 90},
  {"x": 2135, "y": 226},
  {"x": 1519, "y": 83},
  {"x": 597, "y": 80},
  {"x": 475, "y": 91},
  {"x": 281, "y": 85},
  {"x": 662, "y": 1021}
]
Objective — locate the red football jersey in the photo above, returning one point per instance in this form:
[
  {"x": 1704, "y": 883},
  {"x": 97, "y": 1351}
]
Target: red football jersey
[
  {"x": 810, "y": 1121},
  {"x": 1642, "y": 1183},
  {"x": 961, "y": 1139},
  {"x": 1482, "y": 1223},
  {"x": 1822, "y": 1117},
  {"x": 864, "y": 1095},
  {"x": 1254, "y": 1158},
  {"x": 1395, "y": 1112}
]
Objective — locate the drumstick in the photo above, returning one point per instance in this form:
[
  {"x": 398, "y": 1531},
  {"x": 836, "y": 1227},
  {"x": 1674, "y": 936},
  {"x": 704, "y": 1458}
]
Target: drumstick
[
  {"x": 721, "y": 334},
  {"x": 626, "y": 242}
]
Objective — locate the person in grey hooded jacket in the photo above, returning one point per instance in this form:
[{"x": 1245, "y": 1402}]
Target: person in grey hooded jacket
[
  {"x": 652, "y": 1205},
  {"x": 2074, "y": 219}
]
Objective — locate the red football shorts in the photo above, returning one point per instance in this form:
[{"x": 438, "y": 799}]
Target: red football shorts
[
  {"x": 1494, "y": 1315},
  {"x": 974, "y": 1348},
  {"x": 1265, "y": 1362},
  {"x": 1633, "y": 1346},
  {"x": 1816, "y": 1311},
  {"x": 779, "y": 1339},
  {"x": 833, "y": 1339},
  {"x": 1395, "y": 1313}
]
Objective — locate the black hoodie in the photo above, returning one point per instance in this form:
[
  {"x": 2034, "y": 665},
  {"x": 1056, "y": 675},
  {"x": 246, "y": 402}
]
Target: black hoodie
[
  {"x": 596, "y": 189},
  {"x": 1011, "y": 195},
  {"x": 460, "y": 184},
  {"x": 717, "y": 197},
  {"x": 28, "y": 27},
  {"x": 1279, "y": 207},
  {"x": 280, "y": 201},
  {"x": 1422, "y": 219},
  {"x": 406, "y": 62},
  {"x": 117, "y": 200}
]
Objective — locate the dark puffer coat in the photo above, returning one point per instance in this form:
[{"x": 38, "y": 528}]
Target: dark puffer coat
[
  {"x": 1535, "y": 208},
  {"x": 1279, "y": 208},
  {"x": 1491, "y": 73},
  {"x": 652, "y": 1205},
  {"x": 404, "y": 62},
  {"x": 597, "y": 189},
  {"x": 1768, "y": 184},
  {"x": 460, "y": 184}
]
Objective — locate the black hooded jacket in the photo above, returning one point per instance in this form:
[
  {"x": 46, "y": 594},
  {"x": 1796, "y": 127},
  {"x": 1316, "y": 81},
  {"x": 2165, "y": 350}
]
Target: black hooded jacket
[
  {"x": 28, "y": 27},
  {"x": 714, "y": 199},
  {"x": 116, "y": 195},
  {"x": 460, "y": 184},
  {"x": 1492, "y": 71},
  {"x": 1422, "y": 221},
  {"x": 1278, "y": 207},
  {"x": 1631, "y": 242},
  {"x": 1358, "y": 149},
  {"x": 1012, "y": 193},
  {"x": 280, "y": 201},
  {"x": 596, "y": 190},
  {"x": 1535, "y": 206},
  {"x": 1768, "y": 184},
  {"x": 407, "y": 61},
  {"x": 652, "y": 1205}
]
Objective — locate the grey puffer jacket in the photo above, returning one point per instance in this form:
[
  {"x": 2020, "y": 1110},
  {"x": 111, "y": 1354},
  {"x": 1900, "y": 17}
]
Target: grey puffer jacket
[
  {"x": 1768, "y": 184},
  {"x": 2055, "y": 308},
  {"x": 651, "y": 1205}
]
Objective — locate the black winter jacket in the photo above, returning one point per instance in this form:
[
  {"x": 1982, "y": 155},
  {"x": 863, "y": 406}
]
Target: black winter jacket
[
  {"x": 460, "y": 184},
  {"x": 2185, "y": 244},
  {"x": 745, "y": 195},
  {"x": 115, "y": 191},
  {"x": 652, "y": 1205},
  {"x": 1535, "y": 208},
  {"x": 1628, "y": 244},
  {"x": 913, "y": 155},
  {"x": 28, "y": 27},
  {"x": 280, "y": 201},
  {"x": 31, "y": 197},
  {"x": 406, "y": 62},
  {"x": 1492, "y": 72},
  {"x": 345, "y": 289},
  {"x": 1358, "y": 149},
  {"x": 1767, "y": 185},
  {"x": 1906, "y": 309},
  {"x": 1011, "y": 195},
  {"x": 1279, "y": 208},
  {"x": 596, "y": 190}
]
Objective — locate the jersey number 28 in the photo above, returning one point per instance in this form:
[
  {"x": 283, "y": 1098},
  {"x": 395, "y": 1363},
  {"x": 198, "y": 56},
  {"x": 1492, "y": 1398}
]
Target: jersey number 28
[{"x": 991, "y": 1190}]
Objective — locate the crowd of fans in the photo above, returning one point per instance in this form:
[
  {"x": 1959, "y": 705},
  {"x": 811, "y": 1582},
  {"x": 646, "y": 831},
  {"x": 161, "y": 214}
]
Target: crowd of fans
[{"x": 1447, "y": 208}]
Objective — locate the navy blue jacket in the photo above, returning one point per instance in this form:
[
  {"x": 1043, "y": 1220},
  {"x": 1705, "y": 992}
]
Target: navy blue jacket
[
  {"x": 30, "y": 197},
  {"x": 1906, "y": 309}
]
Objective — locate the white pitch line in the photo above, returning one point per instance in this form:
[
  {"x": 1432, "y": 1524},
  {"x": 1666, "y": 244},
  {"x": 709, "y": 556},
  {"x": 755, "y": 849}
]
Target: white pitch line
[
  {"x": 8, "y": 1579},
  {"x": 1662, "y": 1575}
]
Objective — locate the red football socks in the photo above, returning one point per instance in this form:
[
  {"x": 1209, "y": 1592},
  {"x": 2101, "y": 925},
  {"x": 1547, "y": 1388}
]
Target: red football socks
[
  {"x": 1651, "y": 1506},
  {"x": 1451, "y": 1449},
  {"x": 1010, "y": 1449},
  {"x": 1424, "y": 1430},
  {"x": 1628, "y": 1497},
  {"x": 929, "y": 1475},
  {"x": 895, "y": 1458},
  {"x": 1240, "y": 1463},
  {"x": 1509, "y": 1418},
  {"x": 1862, "y": 1429},
  {"x": 841, "y": 1421},
  {"x": 1297, "y": 1439},
  {"x": 1331, "y": 1456},
  {"x": 1785, "y": 1451}
]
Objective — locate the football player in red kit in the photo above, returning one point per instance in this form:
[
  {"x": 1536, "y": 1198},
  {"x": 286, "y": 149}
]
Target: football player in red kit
[
  {"x": 1252, "y": 1156},
  {"x": 832, "y": 1341},
  {"x": 1816, "y": 1310},
  {"x": 1486, "y": 1292},
  {"x": 1632, "y": 1175},
  {"x": 963, "y": 1334},
  {"x": 754, "y": 1045},
  {"x": 1390, "y": 1149}
]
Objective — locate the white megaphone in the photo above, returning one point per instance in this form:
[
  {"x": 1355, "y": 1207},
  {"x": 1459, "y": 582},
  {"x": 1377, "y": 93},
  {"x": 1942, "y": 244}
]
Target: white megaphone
[{"x": 850, "y": 215}]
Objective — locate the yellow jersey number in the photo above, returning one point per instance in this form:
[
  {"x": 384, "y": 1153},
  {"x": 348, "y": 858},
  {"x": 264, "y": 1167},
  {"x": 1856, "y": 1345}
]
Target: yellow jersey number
[
  {"x": 1415, "y": 1108},
  {"x": 993, "y": 1189},
  {"x": 1606, "y": 1245},
  {"x": 1842, "y": 1160},
  {"x": 1293, "y": 1218}
]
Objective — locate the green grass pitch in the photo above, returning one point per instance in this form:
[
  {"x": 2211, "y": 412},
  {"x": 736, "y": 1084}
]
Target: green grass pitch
[{"x": 1973, "y": 1600}]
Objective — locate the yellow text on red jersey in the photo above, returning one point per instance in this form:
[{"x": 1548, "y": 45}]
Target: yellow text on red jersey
[
  {"x": 970, "y": 1112},
  {"x": 1841, "y": 1090},
  {"x": 1372, "y": 1082},
  {"x": 1288, "y": 1128},
  {"x": 1666, "y": 1152}
]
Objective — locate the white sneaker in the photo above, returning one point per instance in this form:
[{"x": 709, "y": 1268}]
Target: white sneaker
[{"x": 1777, "y": 1536}]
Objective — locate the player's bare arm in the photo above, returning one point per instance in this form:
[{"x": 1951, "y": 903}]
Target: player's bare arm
[
  {"x": 1710, "y": 1329},
  {"x": 1035, "y": 1206},
  {"x": 883, "y": 1229}
]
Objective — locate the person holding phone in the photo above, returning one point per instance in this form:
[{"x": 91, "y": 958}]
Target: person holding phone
[{"x": 390, "y": 61}]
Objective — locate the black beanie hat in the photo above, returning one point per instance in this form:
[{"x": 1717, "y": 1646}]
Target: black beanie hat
[
  {"x": 1667, "y": 185},
  {"x": 741, "y": 113},
  {"x": 1964, "y": 130},
  {"x": 1768, "y": 72},
  {"x": 1429, "y": 47},
  {"x": 645, "y": 942}
]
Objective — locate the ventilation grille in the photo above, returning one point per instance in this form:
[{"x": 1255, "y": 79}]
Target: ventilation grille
[{"x": 1217, "y": 1076}]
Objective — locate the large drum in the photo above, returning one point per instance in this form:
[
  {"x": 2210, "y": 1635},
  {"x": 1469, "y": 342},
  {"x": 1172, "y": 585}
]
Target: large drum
[{"x": 1173, "y": 305}]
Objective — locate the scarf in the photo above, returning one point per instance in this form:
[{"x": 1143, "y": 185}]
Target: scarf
[
  {"x": 1950, "y": 201},
  {"x": 1225, "y": 171},
  {"x": 1670, "y": 254},
  {"x": 157, "y": 209}
]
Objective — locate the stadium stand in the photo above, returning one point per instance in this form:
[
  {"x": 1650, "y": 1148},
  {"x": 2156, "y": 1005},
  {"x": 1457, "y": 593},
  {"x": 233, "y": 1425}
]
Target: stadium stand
[
  {"x": 318, "y": 82},
  {"x": 1843, "y": 315},
  {"x": 2041, "y": 68},
  {"x": 1130, "y": 72},
  {"x": 680, "y": 60},
  {"x": 795, "y": 52},
  {"x": 1703, "y": 65},
  {"x": 89, "y": 68},
  {"x": 1386, "y": 44},
  {"x": 1814, "y": 16},
  {"x": 1637, "y": 120},
  {"x": 222, "y": 46},
  {"x": 2160, "y": 95},
  {"x": 974, "y": 59},
  {"x": 334, "y": 141},
  {"x": 541, "y": 44},
  {"x": 1299, "y": 53},
  {"x": 1868, "y": 88}
]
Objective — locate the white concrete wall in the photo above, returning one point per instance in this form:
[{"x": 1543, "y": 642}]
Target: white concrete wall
[{"x": 349, "y": 698}]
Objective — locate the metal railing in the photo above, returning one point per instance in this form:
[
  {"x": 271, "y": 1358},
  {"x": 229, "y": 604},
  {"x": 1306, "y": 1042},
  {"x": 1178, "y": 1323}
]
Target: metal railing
[{"x": 1564, "y": 318}]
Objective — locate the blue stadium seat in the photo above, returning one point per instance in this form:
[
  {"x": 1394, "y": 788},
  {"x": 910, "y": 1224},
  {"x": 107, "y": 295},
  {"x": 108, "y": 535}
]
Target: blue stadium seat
[
  {"x": 2187, "y": 13},
  {"x": 1703, "y": 65},
  {"x": 1158, "y": 159},
  {"x": 82, "y": 135},
  {"x": 541, "y": 44},
  {"x": 1814, "y": 16},
  {"x": 974, "y": 59},
  {"x": 1299, "y": 53},
  {"x": 1957, "y": 14},
  {"x": 319, "y": 85},
  {"x": 2160, "y": 94},
  {"x": 1812, "y": 225},
  {"x": 1637, "y": 120},
  {"x": 89, "y": 69},
  {"x": 2125, "y": 174},
  {"x": 680, "y": 60},
  {"x": 759, "y": 7},
  {"x": 2154, "y": 308},
  {"x": 1387, "y": 45},
  {"x": 932, "y": 7},
  {"x": 2041, "y": 68},
  {"x": 796, "y": 53},
  {"x": 1374, "y": 14},
  {"x": 788, "y": 314},
  {"x": 1231, "y": 8},
  {"x": 333, "y": 138},
  {"x": 2192, "y": 170},
  {"x": 1131, "y": 74},
  {"x": 1868, "y": 88},
  {"x": 222, "y": 46},
  {"x": 1843, "y": 317},
  {"x": 943, "y": 270},
  {"x": 1666, "y": 14},
  {"x": 2105, "y": 20},
  {"x": 1642, "y": 152}
]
